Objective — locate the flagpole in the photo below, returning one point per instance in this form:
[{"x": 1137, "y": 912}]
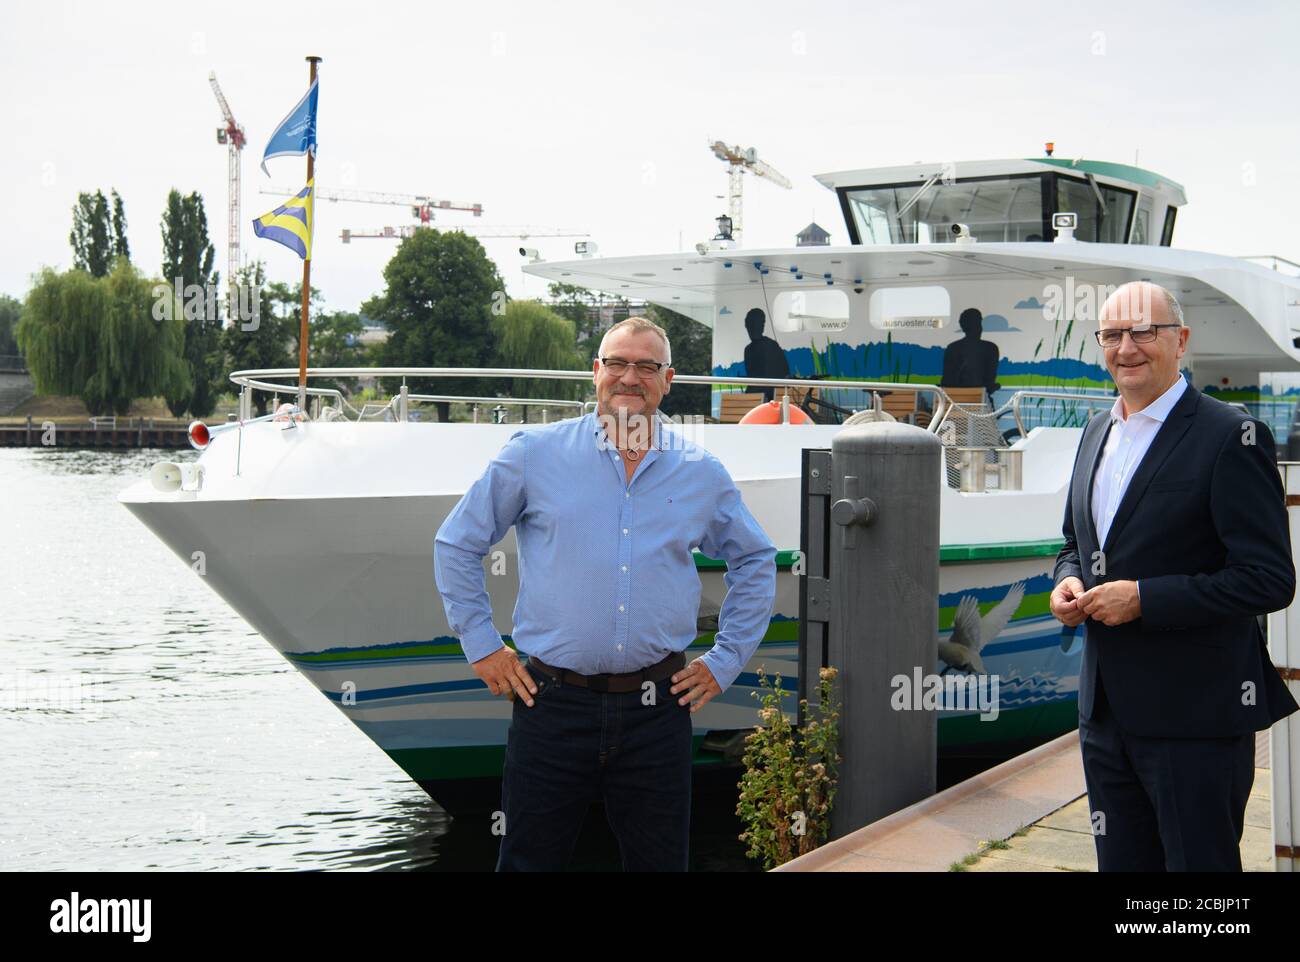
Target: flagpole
[{"x": 306, "y": 272}]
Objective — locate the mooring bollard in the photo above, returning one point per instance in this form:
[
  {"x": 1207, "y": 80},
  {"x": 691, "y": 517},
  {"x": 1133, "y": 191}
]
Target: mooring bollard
[{"x": 873, "y": 579}]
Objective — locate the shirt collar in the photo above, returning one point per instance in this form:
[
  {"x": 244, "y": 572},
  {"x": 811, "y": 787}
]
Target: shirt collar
[
  {"x": 656, "y": 429},
  {"x": 1158, "y": 409}
]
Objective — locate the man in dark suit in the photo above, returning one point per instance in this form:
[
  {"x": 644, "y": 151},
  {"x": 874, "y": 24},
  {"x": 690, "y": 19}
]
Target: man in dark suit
[{"x": 1176, "y": 538}]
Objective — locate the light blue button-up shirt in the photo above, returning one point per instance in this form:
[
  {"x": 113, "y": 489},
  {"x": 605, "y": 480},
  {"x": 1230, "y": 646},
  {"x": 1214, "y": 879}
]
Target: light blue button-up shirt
[{"x": 607, "y": 579}]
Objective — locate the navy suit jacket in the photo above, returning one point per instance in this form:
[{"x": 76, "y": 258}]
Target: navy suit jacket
[{"x": 1203, "y": 526}]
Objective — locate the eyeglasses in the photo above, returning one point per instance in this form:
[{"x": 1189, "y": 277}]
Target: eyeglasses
[
  {"x": 1111, "y": 336},
  {"x": 617, "y": 366}
]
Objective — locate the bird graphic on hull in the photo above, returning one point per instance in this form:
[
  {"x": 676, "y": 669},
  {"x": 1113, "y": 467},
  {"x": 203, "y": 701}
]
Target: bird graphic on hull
[{"x": 971, "y": 632}]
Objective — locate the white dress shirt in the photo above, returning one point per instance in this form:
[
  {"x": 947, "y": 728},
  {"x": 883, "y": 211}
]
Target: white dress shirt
[{"x": 1127, "y": 444}]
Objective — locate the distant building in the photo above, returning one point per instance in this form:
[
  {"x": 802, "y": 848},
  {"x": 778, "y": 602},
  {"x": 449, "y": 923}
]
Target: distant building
[
  {"x": 373, "y": 334},
  {"x": 812, "y": 236}
]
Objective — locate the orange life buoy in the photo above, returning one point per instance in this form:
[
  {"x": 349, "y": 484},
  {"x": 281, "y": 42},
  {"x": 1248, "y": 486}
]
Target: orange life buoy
[{"x": 770, "y": 413}]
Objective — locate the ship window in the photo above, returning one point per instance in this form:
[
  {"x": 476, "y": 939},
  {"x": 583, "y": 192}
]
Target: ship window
[
  {"x": 815, "y": 311},
  {"x": 1141, "y": 225},
  {"x": 1105, "y": 225},
  {"x": 909, "y": 308},
  {"x": 994, "y": 208},
  {"x": 1167, "y": 235}
]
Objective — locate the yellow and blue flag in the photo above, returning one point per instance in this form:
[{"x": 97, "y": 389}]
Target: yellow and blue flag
[
  {"x": 291, "y": 223},
  {"x": 296, "y": 134}
]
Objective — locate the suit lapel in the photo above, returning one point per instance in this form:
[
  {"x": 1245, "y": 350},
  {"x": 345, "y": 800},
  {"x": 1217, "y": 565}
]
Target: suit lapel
[
  {"x": 1094, "y": 438},
  {"x": 1166, "y": 439}
]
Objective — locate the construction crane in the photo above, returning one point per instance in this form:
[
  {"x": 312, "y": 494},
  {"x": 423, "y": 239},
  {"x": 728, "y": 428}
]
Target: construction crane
[
  {"x": 232, "y": 136},
  {"x": 401, "y": 233},
  {"x": 422, "y": 207},
  {"x": 741, "y": 159}
]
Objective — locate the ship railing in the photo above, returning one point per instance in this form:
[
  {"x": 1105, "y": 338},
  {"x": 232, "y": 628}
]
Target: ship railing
[
  {"x": 1275, "y": 263},
  {"x": 1016, "y": 405},
  {"x": 256, "y": 380},
  {"x": 978, "y": 456}
]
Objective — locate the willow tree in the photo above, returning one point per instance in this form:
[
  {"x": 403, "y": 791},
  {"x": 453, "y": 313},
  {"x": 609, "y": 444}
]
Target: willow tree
[
  {"x": 529, "y": 334},
  {"x": 96, "y": 338}
]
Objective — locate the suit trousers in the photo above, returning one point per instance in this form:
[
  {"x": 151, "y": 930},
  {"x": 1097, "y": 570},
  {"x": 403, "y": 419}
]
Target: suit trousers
[
  {"x": 631, "y": 749},
  {"x": 1164, "y": 804}
]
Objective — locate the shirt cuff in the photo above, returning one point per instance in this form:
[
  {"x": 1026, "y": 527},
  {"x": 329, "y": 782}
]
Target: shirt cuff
[{"x": 480, "y": 642}]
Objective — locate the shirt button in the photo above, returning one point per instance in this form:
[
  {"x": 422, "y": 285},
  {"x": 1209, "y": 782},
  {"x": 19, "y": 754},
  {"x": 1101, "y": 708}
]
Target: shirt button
[
  {"x": 620, "y": 647},
  {"x": 620, "y": 607},
  {"x": 625, "y": 530},
  {"x": 627, "y": 494},
  {"x": 624, "y": 567}
]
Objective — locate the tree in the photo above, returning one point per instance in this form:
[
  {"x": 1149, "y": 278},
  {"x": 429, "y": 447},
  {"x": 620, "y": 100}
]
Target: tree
[
  {"x": 92, "y": 249},
  {"x": 692, "y": 345},
  {"x": 187, "y": 260},
  {"x": 585, "y": 308},
  {"x": 120, "y": 247},
  {"x": 96, "y": 338},
  {"x": 10, "y": 311},
  {"x": 266, "y": 346},
  {"x": 437, "y": 306},
  {"x": 335, "y": 341},
  {"x": 286, "y": 304},
  {"x": 531, "y": 335}
]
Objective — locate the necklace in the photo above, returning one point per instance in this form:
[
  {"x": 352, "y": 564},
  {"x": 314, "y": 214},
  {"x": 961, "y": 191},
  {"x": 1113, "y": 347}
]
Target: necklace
[{"x": 632, "y": 453}]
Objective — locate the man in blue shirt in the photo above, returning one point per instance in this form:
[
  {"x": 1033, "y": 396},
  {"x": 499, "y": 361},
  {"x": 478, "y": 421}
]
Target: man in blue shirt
[{"x": 607, "y": 510}]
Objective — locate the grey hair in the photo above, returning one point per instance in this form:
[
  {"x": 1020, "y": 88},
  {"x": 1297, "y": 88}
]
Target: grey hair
[
  {"x": 1175, "y": 309},
  {"x": 638, "y": 323}
]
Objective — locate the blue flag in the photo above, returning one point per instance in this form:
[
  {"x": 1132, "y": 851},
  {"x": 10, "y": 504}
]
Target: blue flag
[{"x": 296, "y": 134}]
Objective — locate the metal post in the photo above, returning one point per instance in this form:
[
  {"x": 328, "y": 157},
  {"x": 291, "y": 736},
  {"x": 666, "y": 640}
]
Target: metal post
[
  {"x": 403, "y": 404},
  {"x": 29, "y": 426},
  {"x": 882, "y": 593}
]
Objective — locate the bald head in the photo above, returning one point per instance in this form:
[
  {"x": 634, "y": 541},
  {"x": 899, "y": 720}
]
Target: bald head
[
  {"x": 1144, "y": 362},
  {"x": 1141, "y": 302}
]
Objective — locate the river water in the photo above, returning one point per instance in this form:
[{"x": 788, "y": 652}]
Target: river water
[{"x": 145, "y": 725}]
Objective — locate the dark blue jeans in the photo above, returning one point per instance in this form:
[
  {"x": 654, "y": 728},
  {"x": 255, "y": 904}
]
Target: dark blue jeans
[{"x": 575, "y": 745}]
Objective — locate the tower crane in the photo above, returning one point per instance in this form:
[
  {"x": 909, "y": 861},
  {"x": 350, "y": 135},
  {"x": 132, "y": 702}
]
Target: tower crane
[
  {"x": 486, "y": 231},
  {"x": 422, "y": 206},
  {"x": 232, "y": 136},
  {"x": 739, "y": 160}
]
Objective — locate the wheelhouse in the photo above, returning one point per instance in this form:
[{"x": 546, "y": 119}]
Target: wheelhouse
[{"x": 1009, "y": 201}]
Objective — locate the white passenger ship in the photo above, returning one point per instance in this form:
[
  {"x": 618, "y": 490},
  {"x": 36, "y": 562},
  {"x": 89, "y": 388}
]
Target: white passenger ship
[{"x": 320, "y": 532}]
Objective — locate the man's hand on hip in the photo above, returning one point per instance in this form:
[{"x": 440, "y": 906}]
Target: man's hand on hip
[
  {"x": 1064, "y": 602},
  {"x": 701, "y": 684},
  {"x": 505, "y": 674},
  {"x": 1112, "y": 603}
]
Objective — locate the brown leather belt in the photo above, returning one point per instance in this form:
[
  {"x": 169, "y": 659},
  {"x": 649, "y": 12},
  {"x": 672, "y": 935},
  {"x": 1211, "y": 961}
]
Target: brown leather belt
[{"x": 614, "y": 684}]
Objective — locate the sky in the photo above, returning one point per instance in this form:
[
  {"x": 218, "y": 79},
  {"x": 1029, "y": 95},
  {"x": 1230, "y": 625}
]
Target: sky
[{"x": 597, "y": 116}]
